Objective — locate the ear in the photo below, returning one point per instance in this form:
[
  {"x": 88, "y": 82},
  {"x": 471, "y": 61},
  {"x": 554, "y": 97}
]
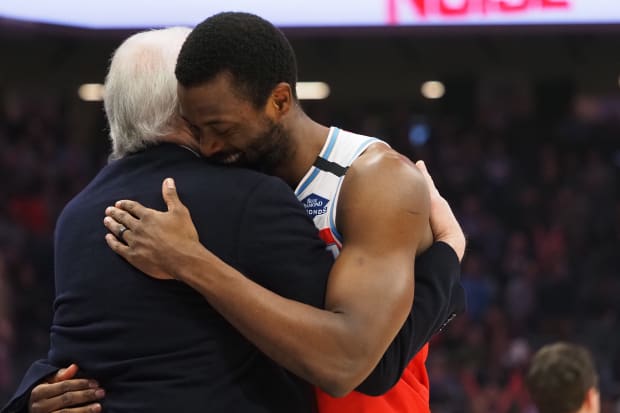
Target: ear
[
  {"x": 592, "y": 402},
  {"x": 280, "y": 101}
]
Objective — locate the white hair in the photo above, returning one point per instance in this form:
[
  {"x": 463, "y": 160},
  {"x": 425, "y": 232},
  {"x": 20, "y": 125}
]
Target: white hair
[{"x": 140, "y": 97}]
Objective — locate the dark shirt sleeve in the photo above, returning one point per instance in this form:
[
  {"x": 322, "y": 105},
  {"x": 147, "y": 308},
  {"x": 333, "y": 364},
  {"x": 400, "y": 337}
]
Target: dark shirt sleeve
[
  {"x": 38, "y": 371},
  {"x": 438, "y": 298},
  {"x": 280, "y": 247}
]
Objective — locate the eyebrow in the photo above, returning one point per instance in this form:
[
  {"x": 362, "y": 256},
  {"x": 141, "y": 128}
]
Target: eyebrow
[
  {"x": 215, "y": 122},
  {"x": 207, "y": 123}
]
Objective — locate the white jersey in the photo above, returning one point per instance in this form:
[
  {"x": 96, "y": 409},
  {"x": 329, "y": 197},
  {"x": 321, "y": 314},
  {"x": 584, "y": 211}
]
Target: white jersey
[{"x": 319, "y": 189}]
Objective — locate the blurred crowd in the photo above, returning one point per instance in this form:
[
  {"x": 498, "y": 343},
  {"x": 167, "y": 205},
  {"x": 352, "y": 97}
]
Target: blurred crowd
[{"x": 538, "y": 199}]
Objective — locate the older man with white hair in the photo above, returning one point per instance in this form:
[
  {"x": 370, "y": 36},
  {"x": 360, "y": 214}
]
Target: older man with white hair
[{"x": 157, "y": 345}]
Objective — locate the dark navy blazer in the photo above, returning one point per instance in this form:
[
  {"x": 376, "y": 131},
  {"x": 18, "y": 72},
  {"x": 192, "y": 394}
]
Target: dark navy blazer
[{"x": 157, "y": 346}]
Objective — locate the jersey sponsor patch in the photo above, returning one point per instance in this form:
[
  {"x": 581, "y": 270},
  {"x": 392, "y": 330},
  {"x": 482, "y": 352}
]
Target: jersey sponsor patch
[{"x": 315, "y": 205}]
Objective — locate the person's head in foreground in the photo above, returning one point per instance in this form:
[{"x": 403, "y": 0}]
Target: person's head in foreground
[
  {"x": 237, "y": 75},
  {"x": 562, "y": 379},
  {"x": 141, "y": 91}
]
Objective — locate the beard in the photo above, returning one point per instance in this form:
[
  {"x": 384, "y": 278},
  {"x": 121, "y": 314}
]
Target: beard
[{"x": 266, "y": 153}]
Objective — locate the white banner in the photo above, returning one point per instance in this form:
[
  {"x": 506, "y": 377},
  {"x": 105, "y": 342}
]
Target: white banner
[{"x": 314, "y": 13}]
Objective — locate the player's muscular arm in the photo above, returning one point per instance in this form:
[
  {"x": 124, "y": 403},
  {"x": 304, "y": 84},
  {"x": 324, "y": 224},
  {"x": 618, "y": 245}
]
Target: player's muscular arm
[
  {"x": 438, "y": 295},
  {"x": 383, "y": 215},
  {"x": 384, "y": 209}
]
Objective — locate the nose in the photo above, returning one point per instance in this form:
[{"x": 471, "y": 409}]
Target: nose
[{"x": 210, "y": 146}]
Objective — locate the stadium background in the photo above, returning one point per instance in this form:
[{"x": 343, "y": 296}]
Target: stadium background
[{"x": 525, "y": 145}]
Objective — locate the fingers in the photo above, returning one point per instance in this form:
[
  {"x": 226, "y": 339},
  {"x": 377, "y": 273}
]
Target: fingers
[
  {"x": 71, "y": 399},
  {"x": 429, "y": 179},
  {"x": 48, "y": 391},
  {"x": 63, "y": 392},
  {"x": 115, "y": 228},
  {"x": 65, "y": 374},
  {"x": 91, "y": 408},
  {"x": 121, "y": 217},
  {"x": 169, "y": 192},
  {"x": 75, "y": 398},
  {"x": 117, "y": 246},
  {"x": 132, "y": 207},
  {"x": 444, "y": 224}
]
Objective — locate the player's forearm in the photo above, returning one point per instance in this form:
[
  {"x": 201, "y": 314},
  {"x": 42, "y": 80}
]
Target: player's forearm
[{"x": 323, "y": 347}]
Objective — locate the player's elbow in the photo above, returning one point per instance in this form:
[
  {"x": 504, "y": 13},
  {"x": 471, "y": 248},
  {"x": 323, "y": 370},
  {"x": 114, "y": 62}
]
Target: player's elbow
[
  {"x": 336, "y": 389},
  {"x": 340, "y": 384},
  {"x": 344, "y": 375},
  {"x": 339, "y": 368}
]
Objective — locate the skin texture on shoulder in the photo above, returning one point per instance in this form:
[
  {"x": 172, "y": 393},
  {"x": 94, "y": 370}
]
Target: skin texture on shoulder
[{"x": 383, "y": 178}]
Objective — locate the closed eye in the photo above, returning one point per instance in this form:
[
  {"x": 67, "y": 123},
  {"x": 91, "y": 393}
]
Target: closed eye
[{"x": 221, "y": 131}]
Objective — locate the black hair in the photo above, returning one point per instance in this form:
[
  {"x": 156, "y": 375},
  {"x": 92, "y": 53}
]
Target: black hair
[{"x": 249, "y": 48}]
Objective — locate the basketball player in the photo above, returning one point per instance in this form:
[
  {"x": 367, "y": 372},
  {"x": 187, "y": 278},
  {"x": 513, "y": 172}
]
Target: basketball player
[
  {"x": 237, "y": 76},
  {"x": 562, "y": 379}
]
